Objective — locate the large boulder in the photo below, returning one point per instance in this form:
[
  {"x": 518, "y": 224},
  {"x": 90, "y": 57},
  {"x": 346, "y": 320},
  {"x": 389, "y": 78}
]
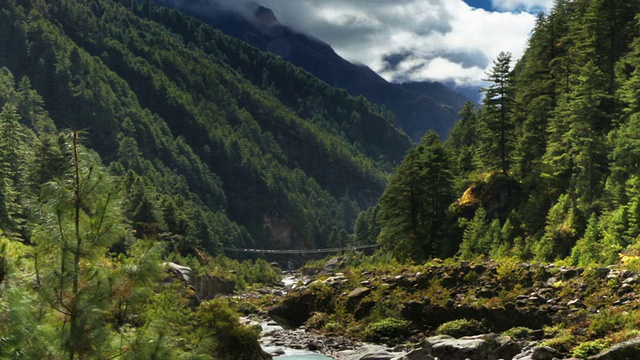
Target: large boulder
[
  {"x": 627, "y": 350},
  {"x": 481, "y": 347},
  {"x": 298, "y": 306},
  {"x": 367, "y": 352},
  {"x": 179, "y": 271},
  {"x": 355, "y": 296},
  {"x": 497, "y": 193},
  {"x": 447, "y": 347},
  {"x": 208, "y": 286},
  {"x": 417, "y": 354}
]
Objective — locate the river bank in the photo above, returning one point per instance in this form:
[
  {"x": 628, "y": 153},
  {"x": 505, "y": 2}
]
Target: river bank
[
  {"x": 297, "y": 344},
  {"x": 489, "y": 309}
]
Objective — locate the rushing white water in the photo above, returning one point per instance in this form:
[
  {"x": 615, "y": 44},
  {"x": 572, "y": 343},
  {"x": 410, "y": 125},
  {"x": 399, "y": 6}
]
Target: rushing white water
[
  {"x": 289, "y": 354},
  {"x": 289, "y": 281},
  {"x": 293, "y": 354}
]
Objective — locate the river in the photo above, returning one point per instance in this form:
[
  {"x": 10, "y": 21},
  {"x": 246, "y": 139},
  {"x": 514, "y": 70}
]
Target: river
[{"x": 289, "y": 354}]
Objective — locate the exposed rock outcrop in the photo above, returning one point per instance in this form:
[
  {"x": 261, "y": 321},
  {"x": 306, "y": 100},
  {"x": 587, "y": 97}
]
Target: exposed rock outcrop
[{"x": 624, "y": 351}]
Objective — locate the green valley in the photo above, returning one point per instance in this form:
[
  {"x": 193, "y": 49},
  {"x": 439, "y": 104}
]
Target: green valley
[{"x": 139, "y": 147}]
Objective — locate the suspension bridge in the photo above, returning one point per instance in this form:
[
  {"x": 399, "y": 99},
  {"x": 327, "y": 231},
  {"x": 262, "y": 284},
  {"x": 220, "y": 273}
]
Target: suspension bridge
[{"x": 302, "y": 251}]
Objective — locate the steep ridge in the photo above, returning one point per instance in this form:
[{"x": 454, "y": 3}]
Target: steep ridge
[{"x": 417, "y": 107}]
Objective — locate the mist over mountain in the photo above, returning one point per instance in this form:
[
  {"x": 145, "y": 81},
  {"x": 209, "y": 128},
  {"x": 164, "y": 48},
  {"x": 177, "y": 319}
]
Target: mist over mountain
[{"x": 417, "y": 107}]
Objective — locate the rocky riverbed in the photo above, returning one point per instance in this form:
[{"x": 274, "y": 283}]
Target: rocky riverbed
[{"x": 558, "y": 309}]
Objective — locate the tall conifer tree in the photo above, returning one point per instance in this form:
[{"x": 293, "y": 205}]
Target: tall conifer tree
[
  {"x": 413, "y": 208},
  {"x": 496, "y": 123}
]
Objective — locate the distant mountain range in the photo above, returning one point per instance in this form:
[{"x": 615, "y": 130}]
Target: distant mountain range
[{"x": 417, "y": 107}]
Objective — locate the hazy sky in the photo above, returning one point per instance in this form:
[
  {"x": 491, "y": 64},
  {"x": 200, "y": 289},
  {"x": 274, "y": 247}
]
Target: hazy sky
[{"x": 441, "y": 40}]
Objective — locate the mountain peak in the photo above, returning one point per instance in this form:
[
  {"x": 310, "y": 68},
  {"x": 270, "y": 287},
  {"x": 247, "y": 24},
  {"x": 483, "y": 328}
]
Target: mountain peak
[
  {"x": 266, "y": 21},
  {"x": 417, "y": 108},
  {"x": 266, "y": 16}
]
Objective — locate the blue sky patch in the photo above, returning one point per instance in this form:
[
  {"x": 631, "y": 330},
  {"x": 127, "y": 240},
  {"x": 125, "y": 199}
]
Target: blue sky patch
[{"x": 482, "y": 4}]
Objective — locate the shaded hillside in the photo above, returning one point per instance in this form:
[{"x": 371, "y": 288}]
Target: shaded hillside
[
  {"x": 208, "y": 157},
  {"x": 417, "y": 107}
]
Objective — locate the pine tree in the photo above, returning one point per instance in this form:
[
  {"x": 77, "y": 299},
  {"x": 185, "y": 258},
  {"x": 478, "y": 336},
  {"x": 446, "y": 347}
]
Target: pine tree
[
  {"x": 12, "y": 163},
  {"x": 474, "y": 240},
  {"x": 366, "y": 229},
  {"x": 413, "y": 208},
  {"x": 535, "y": 99},
  {"x": 495, "y": 127},
  {"x": 81, "y": 220},
  {"x": 462, "y": 143},
  {"x": 559, "y": 232}
]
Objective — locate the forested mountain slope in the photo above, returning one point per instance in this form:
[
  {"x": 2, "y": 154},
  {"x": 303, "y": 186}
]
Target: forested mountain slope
[
  {"x": 417, "y": 107},
  {"x": 547, "y": 169},
  {"x": 216, "y": 143}
]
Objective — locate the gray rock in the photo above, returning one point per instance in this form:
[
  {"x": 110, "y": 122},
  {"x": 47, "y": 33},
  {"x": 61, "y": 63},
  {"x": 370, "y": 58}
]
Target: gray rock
[
  {"x": 369, "y": 352},
  {"x": 337, "y": 279},
  {"x": 551, "y": 281},
  {"x": 543, "y": 353},
  {"x": 447, "y": 347},
  {"x": 209, "y": 286},
  {"x": 628, "y": 350},
  {"x": 183, "y": 272},
  {"x": 525, "y": 355},
  {"x": 358, "y": 293},
  {"x": 625, "y": 289},
  {"x": 381, "y": 355},
  {"x": 568, "y": 274},
  {"x": 330, "y": 265},
  {"x": 500, "y": 346},
  {"x": 602, "y": 272},
  {"x": 277, "y": 352},
  {"x": 417, "y": 354},
  {"x": 575, "y": 303}
]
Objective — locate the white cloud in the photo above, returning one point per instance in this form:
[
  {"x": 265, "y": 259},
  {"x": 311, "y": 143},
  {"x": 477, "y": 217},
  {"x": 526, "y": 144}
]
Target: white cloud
[
  {"x": 527, "y": 5},
  {"x": 413, "y": 40}
]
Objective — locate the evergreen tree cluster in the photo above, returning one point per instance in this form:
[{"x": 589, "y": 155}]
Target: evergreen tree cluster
[
  {"x": 75, "y": 283},
  {"x": 182, "y": 142},
  {"x": 548, "y": 167}
]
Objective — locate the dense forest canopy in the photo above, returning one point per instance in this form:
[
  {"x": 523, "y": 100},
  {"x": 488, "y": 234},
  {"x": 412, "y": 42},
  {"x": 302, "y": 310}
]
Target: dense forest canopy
[
  {"x": 132, "y": 135},
  {"x": 547, "y": 168},
  {"x": 416, "y": 106},
  {"x": 217, "y": 143}
]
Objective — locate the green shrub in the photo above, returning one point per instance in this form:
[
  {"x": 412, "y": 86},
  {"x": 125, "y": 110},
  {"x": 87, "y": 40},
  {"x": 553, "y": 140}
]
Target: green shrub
[
  {"x": 317, "y": 320},
  {"x": 561, "y": 343},
  {"x": 232, "y": 340},
  {"x": 589, "y": 348},
  {"x": 606, "y": 322},
  {"x": 246, "y": 308},
  {"x": 461, "y": 327},
  {"x": 511, "y": 273},
  {"x": 519, "y": 332},
  {"x": 388, "y": 328}
]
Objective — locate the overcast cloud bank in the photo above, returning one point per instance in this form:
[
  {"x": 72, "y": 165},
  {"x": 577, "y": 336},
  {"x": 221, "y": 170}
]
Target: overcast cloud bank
[{"x": 415, "y": 40}]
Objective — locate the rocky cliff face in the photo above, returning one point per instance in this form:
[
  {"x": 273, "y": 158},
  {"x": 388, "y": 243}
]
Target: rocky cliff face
[{"x": 283, "y": 233}]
